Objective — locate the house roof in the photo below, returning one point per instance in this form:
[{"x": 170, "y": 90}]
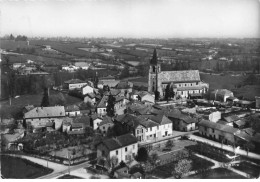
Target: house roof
[
  {"x": 160, "y": 119},
  {"x": 190, "y": 88},
  {"x": 102, "y": 102},
  {"x": 42, "y": 112},
  {"x": 72, "y": 108},
  {"x": 119, "y": 142},
  {"x": 231, "y": 118},
  {"x": 76, "y": 125},
  {"x": 106, "y": 120},
  {"x": 129, "y": 119},
  {"x": 217, "y": 126},
  {"x": 124, "y": 85},
  {"x": 180, "y": 76},
  {"x": 148, "y": 123},
  {"x": 110, "y": 83},
  {"x": 91, "y": 95},
  {"x": 74, "y": 81},
  {"x": 81, "y": 64},
  {"x": 83, "y": 120}
]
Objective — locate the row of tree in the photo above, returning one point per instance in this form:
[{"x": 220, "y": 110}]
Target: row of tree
[{"x": 18, "y": 38}]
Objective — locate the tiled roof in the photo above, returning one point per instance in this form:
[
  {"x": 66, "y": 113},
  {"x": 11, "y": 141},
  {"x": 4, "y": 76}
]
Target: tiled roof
[
  {"x": 106, "y": 120},
  {"x": 102, "y": 102},
  {"x": 83, "y": 119},
  {"x": 110, "y": 83},
  {"x": 119, "y": 142},
  {"x": 147, "y": 123},
  {"x": 217, "y": 126},
  {"x": 74, "y": 81},
  {"x": 71, "y": 108},
  {"x": 160, "y": 119},
  {"x": 180, "y": 76},
  {"x": 42, "y": 112},
  {"x": 124, "y": 85},
  {"x": 231, "y": 118}
]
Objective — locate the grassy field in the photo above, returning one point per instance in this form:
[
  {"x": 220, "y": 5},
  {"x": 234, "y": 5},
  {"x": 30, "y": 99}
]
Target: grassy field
[
  {"x": 249, "y": 168},
  {"x": 218, "y": 173},
  {"x": 23, "y": 100},
  {"x": 17, "y": 168}
]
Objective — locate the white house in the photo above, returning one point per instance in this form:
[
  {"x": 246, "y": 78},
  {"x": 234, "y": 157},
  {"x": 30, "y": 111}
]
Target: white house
[
  {"x": 123, "y": 148},
  {"x": 90, "y": 97},
  {"x": 101, "y": 106},
  {"x": 75, "y": 84},
  {"x": 87, "y": 89},
  {"x": 95, "y": 121},
  {"x": 72, "y": 110}
]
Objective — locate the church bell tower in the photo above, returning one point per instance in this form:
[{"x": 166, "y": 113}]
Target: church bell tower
[{"x": 154, "y": 71}]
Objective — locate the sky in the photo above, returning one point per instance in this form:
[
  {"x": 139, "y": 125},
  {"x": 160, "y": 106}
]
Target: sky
[{"x": 131, "y": 18}]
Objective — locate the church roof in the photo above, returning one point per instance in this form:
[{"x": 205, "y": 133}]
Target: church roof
[
  {"x": 154, "y": 58},
  {"x": 180, "y": 76}
]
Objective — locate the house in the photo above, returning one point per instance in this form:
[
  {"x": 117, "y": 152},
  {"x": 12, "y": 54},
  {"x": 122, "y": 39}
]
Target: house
[
  {"x": 221, "y": 95},
  {"x": 69, "y": 68},
  {"x": 72, "y": 110},
  {"x": 84, "y": 121},
  {"x": 248, "y": 141},
  {"x": 148, "y": 130},
  {"x": 146, "y": 97},
  {"x": 183, "y": 122},
  {"x": 82, "y": 65},
  {"x": 123, "y": 148},
  {"x": 105, "y": 124},
  {"x": 110, "y": 83},
  {"x": 165, "y": 128},
  {"x": 122, "y": 173},
  {"x": 90, "y": 97},
  {"x": 87, "y": 89},
  {"x": 101, "y": 106},
  {"x": 74, "y": 84},
  {"x": 120, "y": 105},
  {"x": 39, "y": 116},
  {"x": 95, "y": 121},
  {"x": 137, "y": 108},
  {"x": 218, "y": 132},
  {"x": 125, "y": 87}
]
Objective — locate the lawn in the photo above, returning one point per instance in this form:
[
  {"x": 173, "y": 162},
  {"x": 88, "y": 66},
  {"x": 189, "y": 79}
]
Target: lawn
[
  {"x": 67, "y": 176},
  {"x": 17, "y": 168},
  {"x": 251, "y": 169},
  {"x": 218, "y": 173}
]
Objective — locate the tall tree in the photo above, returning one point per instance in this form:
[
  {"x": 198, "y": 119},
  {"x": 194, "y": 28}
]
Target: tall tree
[
  {"x": 142, "y": 155},
  {"x": 167, "y": 92},
  {"x": 182, "y": 167},
  {"x": 110, "y": 105},
  {"x": 45, "y": 99}
]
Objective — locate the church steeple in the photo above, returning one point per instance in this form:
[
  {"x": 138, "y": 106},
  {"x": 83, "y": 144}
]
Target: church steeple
[{"x": 154, "y": 58}]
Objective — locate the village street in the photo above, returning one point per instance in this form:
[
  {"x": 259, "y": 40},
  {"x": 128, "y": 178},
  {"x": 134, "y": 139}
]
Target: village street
[{"x": 225, "y": 147}]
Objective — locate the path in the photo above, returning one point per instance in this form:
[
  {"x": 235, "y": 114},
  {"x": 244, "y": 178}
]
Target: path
[{"x": 225, "y": 147}]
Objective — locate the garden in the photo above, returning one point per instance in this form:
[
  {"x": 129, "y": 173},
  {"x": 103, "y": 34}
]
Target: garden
[
  {"x": 17, "y": 168},
  {"x": 251, "y": 169},
  {"x": 218, "y": 173}
]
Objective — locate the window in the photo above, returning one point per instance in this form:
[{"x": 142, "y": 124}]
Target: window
[
  {"x": 137, "y": 132},
  {"x": 126, "y": 149},
  {"x": 197, "y": 83},
  {"x": 185, "y": 84},
  {"x": 116, "y": 152},
  {"x": 103, "y": 127},
  {"x": 213, "y": 130},
  {"x": 151, "y": 129},
  {"x": 179, "y": 85},
  {"x": 151, "y": 136},
  {"x": 103, "y": 153},
  {"x": 157, "y": 127},
  {"x": 133, "y": 146}
]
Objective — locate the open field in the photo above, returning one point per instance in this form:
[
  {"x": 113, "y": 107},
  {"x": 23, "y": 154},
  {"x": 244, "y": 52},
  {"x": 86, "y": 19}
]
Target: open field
[
  {"x": 17, "y": 168},
  {"x": 23, "y": 100},
  {"x": 218, "y": 173}
]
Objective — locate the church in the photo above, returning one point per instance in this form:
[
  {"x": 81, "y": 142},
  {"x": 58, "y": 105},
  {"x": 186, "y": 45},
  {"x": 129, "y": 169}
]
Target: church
[{"x": 185, "y": 83}]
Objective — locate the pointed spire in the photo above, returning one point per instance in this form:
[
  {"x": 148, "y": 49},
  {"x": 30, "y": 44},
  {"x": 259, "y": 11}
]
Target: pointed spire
[{"x": 154, "y": 58}]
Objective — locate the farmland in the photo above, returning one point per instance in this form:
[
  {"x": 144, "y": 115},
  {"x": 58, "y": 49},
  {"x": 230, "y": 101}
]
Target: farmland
[{"x": 17, "y": 168}]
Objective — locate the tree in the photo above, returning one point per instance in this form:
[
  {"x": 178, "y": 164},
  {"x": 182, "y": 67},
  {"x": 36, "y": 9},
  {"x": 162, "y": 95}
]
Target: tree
[
  {"x": 153, "y": 158},
  {"x": 167, "y": 92},
  {"x": 157, "y": 95},
  {"x": 113, "y": 161},
  {"x": 182, "y": 167},
  {"x": 110, "y": 105},
  {"x": 12, "y": 37},
  {"x": 142, "y": 155},
  {"x": 169, "y": 144},
  {"x": 45, "y": 99},
  {"x": 125, "y": 72},
  {"x": 251, "y": 80}
]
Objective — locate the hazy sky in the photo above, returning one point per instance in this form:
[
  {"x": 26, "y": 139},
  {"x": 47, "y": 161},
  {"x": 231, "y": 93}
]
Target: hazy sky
[{"x": 131, "y": 18}]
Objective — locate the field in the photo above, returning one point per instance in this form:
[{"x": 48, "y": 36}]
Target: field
[
  {"x": 23, "y": 100},
  {"x": 249, "y": 168},
  {"x": 218, "y": 173},
  {"x": 17, "y": 168}
]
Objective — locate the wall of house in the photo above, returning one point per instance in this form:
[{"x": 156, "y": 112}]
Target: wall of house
[
  {"x": 88, "y": 99},
  {"x": 87, "y": 89},
  {"x": 105, "y": 127},
  {"x": 215, "y": 116},
  {"x": 166, "y": 128},
  {"x": 96, "y": 123},
  {"x": 101, "y": 111},
  {"x": 186, "y": 126},
  {"x": 140, "y": 133},
  {"x": 101, "y": 147},
  {"x": 73, "y": 113},
  {"x": 76, "y": 85},
  {"x": 36, "y": 122},
  {"x": 150, "y": 133}
]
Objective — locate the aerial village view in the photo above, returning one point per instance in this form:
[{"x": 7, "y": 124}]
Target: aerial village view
[{"x": 130, "y": 90}]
